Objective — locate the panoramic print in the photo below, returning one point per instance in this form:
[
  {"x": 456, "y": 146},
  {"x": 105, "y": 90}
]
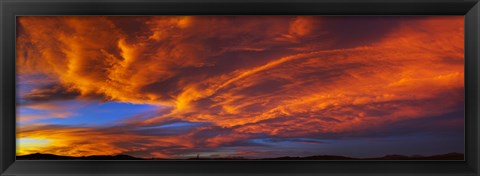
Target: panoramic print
[{"x": 240, "y": 87}]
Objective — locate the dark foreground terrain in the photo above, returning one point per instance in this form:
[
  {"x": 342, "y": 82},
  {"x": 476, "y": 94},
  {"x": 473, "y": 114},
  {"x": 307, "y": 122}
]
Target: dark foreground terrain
[{"x": 448, "y": 156}]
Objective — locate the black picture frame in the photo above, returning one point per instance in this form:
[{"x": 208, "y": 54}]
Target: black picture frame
[{"x": 11, "y": 8}]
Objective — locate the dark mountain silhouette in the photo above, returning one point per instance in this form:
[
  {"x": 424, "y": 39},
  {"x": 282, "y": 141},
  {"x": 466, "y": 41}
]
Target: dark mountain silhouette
[
  {"x": 318, "y": 157},
  {"x": 222, "y": 158},
  {"x": 448, "y": 156},
  {"x": 39, "y": 156}
]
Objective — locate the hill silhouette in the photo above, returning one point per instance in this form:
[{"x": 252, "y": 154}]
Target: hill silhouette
[
  {"x": 448, "y": 156},
  {"x": 39, "y": 156}
]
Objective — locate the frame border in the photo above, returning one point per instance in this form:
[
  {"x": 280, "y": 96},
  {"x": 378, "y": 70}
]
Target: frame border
[{"x": 9, "y": 9}]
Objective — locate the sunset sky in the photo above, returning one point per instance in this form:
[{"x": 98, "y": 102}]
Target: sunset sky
[{"x": 240, "y": 86}]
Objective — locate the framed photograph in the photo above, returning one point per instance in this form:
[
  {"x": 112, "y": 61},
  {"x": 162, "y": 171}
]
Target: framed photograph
[{"x": 256, "y": 87}]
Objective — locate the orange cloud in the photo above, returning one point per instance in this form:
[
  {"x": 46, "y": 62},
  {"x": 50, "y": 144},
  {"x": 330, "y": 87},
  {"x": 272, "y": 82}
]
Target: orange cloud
[{"x": 76, "y": 141}]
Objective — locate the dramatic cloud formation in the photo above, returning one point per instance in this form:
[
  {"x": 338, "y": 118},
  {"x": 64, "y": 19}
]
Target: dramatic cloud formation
[{"x": 250, "y": 86}]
